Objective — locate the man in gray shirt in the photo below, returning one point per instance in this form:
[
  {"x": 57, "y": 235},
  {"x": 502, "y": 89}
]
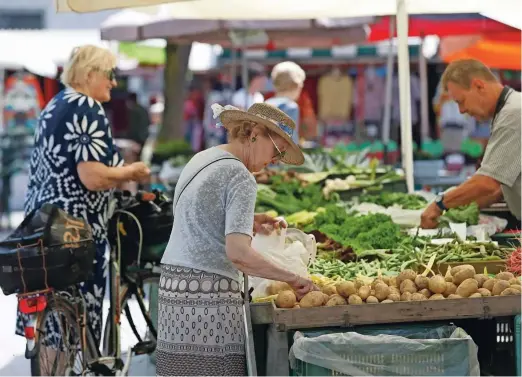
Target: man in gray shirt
[{"x": 479, "y": 93}]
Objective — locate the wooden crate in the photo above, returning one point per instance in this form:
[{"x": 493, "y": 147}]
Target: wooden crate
[{"x": 397, "y": 312}]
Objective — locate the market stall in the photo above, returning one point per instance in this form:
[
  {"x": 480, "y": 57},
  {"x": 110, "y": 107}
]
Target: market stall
[{"x": 356, "y": 235}]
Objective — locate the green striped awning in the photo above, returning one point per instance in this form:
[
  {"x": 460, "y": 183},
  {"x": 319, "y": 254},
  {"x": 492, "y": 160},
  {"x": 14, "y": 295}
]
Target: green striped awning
[{"x": 339, "y": 52}]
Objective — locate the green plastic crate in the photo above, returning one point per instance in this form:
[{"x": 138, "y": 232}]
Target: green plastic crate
[
  {"x": 517, "y": 345},
  {"x": 433, "y": 364}
]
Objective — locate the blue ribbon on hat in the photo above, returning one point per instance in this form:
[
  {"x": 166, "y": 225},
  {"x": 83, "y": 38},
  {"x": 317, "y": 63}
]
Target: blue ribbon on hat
[{"x": 286, "y": 128}]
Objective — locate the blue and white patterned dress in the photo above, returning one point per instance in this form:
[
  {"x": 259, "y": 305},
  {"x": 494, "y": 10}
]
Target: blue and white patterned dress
[{"x": 71, "y": 129}]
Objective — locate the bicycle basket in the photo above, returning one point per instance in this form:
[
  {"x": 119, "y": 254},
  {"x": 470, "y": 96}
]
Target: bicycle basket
[
  {"x": 155, "y": 229},
  {"x": 50, "y": 249}
]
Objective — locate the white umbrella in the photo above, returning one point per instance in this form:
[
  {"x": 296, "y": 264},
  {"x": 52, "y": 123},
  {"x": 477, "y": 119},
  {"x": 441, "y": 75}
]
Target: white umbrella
[
  {"x": 87, "y": 6},
  {"x": 125, "y": 25}
]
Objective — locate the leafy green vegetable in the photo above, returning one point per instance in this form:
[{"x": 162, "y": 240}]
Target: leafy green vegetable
[
  {"x": 388, "y": 199},
  {"x": 465, "y": 214}
]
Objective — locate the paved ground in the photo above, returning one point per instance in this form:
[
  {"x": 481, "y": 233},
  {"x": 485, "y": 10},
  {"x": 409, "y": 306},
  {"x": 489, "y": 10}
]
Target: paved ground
[{"x": 12, "y": 347}]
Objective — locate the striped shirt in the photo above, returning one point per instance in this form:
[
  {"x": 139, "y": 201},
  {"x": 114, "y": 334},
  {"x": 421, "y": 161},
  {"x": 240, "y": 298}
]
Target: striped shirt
[{"x": 502, "y": 156}]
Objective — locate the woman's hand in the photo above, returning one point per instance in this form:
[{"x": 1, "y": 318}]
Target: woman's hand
[
  {"x": 139, "y": 172},
  {"x": 302, "y": 286},
  {"x": 265, "y": 224}
]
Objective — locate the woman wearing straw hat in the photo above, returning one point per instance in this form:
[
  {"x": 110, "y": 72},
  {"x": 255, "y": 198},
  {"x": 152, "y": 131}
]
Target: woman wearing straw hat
[{"x": 200, "y": 320}]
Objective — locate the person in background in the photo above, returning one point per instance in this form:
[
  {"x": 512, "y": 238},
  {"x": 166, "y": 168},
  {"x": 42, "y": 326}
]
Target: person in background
[
  {"x": 288, "y": 79},
  {"x": 479, "y": 94},
  {"x": 220, "y": 93},
  {"x": 139, "y": 122},
  {"x": 246, "y": 97},
  {"x": 76, "y": 165},
  {"x": 156, "y": 118}
]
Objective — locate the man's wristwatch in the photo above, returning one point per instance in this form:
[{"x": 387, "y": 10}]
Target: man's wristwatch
[{"x": 439, "y": 202}]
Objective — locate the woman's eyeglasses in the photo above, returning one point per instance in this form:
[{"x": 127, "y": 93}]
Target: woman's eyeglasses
[
  {"x": 111, "y": 74},
  {"x": 279, "y": 155}
]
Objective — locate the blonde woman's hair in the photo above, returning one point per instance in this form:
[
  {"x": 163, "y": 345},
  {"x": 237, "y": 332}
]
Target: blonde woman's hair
[
  {"x": 287, "y": 76},
  {"x": 84, "y": 60},
  {"x": 461, "y": 72}
]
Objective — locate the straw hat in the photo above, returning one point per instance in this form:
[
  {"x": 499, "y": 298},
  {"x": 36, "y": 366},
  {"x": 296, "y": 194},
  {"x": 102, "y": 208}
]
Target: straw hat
[{"x": 270, "y": 117}]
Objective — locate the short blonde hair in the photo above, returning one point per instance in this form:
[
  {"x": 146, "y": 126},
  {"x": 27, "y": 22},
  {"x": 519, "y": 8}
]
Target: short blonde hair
[
  {"x": 84, "y": 60},
  {"x": 242, "y": 131},
  {"x": 462, "y": 72},
  {"x": 287, "y": 76}
]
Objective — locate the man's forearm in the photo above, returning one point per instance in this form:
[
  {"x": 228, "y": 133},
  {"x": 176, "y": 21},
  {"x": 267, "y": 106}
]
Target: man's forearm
[{"x": 480, "y": 189}]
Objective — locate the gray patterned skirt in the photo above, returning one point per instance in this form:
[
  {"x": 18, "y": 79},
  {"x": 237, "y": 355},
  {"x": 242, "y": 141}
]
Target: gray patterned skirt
[{"x": 200, "y": 324}]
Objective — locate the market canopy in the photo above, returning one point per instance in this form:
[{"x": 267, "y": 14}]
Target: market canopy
[{"x": 292, "y": 9}]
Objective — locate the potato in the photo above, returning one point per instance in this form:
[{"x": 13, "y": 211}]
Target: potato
[
  {"x": 484, "y": 292},
  {"x": 297, "y": 306},
  {"x": 387, "y": 301},
  {"x": 277, "y": 286},
  {"x": 325, "y": 298},
  {"x": 437, "y": 296},
  {"x": 425, "y": 292},
  {"x": 437, "y": 284},
  {"x": 448, "y": 276},
  {"x": 377, "y": 281},
  {"x": 394, "y": 290},
  {"x": 467, "y": 288},
  {"x": 286, "y": 299},
  {"x": 488, "y": 284},
  {"x": 329, "y": 290},
  {"x": 476, "y": 295},
  {"x": 382, "y": 291},
  {"x": 510, "y": 292},
  {"x": 408, "y": 286},
  {"x": 372, "y": 300},
  {"x": 359, "y": 283},
  {"x": 354, "y": 300},
  {"x": 406, "y": 296},
  {"x": 455, "y": 270},
  {"x": 516, "y": 287},
  {"x": 394, "y": 297},
  {"x": 386, "y": 280},
  {"x": 394, "y": 282},
  {"x": 481, "y": 279},
  {"x": 450, "y": 289},
  {"x": 312, "y": 299},
  {"x": 453, "y": 297},
  {"x": 499, "y": 287},
  {"x": 422, "y": 282},
  {"x": 406, "y": 275},
  {"x": 514, "y": 281},
  {"x": 364, "y": 292},
  {"x": 505, "y": 276},
  {"x": 418, "y": 297},
  {"x": 372, "y": 292},
  {"x": 466, "y": 271},
  {"x": 346, "y": 288},
  {"x": 336, "y": 300}
]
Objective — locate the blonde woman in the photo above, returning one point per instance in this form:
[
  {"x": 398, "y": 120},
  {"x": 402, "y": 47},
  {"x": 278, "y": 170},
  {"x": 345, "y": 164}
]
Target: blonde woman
[
  {"x": 75, "y": 164},
  {"x": 200, "y": 314},
  {"x": 288, "y": 79}
]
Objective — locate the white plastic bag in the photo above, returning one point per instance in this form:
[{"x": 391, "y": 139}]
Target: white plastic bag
[{"x": 291, "y": 249}]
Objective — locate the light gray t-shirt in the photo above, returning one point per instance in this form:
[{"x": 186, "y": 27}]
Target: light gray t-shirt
[
  {"x": 220, "y": 200},
  {"x": 502, "y": 157}
]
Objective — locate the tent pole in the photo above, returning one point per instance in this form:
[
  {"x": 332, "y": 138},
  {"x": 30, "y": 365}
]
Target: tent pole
[
  {"x": 404, "y": 92},
  {"x": 386, "y": 120},
  {"x": 423, "y": 76}
]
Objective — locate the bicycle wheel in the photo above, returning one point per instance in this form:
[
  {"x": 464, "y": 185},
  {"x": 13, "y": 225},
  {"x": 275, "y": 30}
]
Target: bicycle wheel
[
  {"x": 58, "y": 348},
  {"x": 138, "y": 326}
]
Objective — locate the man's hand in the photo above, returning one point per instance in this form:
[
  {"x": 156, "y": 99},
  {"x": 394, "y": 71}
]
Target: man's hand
[
  {"x": 265, "y": 224},
  {"x": 430, "y": 217}
]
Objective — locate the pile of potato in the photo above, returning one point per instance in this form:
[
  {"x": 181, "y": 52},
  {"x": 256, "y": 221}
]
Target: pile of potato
[{"x": 459, "y": 282}]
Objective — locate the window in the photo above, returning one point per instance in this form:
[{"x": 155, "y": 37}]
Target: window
[{"x": 19, "y": 19}]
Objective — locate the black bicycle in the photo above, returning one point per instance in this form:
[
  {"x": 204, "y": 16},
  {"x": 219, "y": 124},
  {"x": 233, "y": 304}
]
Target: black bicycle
[{"x": 136, "y": 250}]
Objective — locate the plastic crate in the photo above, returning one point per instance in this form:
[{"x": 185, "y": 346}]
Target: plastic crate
[
  {"x": 405, "y": 364},
  {"x": 518, "y": 351}
]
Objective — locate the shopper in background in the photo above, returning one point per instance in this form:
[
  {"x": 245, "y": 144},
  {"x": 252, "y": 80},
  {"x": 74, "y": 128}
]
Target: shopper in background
[
  {"x": 75, "y": 165},
  {"x": 479, "y": 93},
  {"x": 288, "y": 79},
  {"x": 139, "y": 122},
  {"x": 246, "y": 97},
  {"x": 200, "y": 316}
]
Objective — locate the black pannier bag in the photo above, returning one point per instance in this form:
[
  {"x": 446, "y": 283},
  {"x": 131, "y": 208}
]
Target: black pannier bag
[
  {"x": 50, "y": 249},
  {"x": 156, "y": 227}
]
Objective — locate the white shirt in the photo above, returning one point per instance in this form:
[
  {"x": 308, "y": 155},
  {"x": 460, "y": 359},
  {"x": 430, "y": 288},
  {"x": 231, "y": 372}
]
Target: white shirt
[{"x": 242, "y": 98}]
